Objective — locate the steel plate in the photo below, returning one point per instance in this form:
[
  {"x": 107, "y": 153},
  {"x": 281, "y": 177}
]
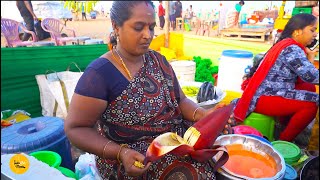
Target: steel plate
[{"x": 256, "y": 146}]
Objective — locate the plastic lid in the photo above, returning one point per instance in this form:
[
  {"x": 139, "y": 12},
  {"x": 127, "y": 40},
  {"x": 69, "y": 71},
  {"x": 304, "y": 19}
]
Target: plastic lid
[
  {"x": 237, "y": 54},
  {"x": 290, "y": 173},
  {"x": 289, "y": 151},
  {"x": 243, "y": 129},
  {"x": 32, "y": 134}
]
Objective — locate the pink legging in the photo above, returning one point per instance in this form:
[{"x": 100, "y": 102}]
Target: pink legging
[{"x": 301, "y": 113}]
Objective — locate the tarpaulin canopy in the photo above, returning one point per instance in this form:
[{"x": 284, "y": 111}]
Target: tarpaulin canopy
[
  {"x": 42, "y": 9},
  {"x": 52, "y": 9}
]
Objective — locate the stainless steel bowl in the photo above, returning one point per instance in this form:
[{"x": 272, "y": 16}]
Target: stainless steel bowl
[{"x": 256, "y": 146}]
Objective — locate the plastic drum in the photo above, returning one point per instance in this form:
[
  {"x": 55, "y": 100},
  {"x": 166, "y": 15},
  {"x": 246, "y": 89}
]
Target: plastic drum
[
  {"x": 38, "y": 134},
  {"x": 233, "y": 65}
]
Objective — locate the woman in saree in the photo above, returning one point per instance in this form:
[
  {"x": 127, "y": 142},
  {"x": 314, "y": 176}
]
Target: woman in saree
[{"x": 129, "y": 96}]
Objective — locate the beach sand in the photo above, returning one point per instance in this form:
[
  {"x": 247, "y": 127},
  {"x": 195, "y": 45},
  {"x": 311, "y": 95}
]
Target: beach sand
[{"x": 100, "y": 28}]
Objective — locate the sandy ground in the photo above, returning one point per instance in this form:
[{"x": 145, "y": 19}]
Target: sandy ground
[{"x": 100, "y": 27}]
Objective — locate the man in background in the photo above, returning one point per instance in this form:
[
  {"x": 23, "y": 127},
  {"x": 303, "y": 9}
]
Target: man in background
[
  {"x": 161, "y": 13},
  {"x": 83, "y": 11},
  {"x": 26, "y": 10},
  {"x": 172, "y": 16},
  {"x": 178, "y": 10}
]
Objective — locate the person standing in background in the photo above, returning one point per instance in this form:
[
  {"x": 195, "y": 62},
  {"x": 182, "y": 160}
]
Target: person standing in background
[
  {"x": 161, "y": 13},
  {"x": 102, "y": 11},
  {"x": 172, "y": 16},
  {"x": 178, "y": 10},
  {"x": 83, "y": 11},
  {"x": 238, "y": 9},
  {"x": 26, "y": 10}
]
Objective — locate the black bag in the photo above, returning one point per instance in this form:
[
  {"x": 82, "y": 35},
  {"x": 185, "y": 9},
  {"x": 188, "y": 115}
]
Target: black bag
[{"x": 41, "y": 34}]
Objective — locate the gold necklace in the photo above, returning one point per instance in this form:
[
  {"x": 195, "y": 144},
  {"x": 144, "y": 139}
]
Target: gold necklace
[{"x": 123, "y": 64}]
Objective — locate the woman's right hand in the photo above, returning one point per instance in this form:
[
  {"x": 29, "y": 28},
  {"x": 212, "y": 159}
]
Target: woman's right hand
[
  {"x": 311, "y": 54},
  {"x": 128, "y": 158}
]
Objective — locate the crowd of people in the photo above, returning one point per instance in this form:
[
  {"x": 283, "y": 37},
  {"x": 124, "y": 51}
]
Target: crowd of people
[{"x": 189, "y": 15}]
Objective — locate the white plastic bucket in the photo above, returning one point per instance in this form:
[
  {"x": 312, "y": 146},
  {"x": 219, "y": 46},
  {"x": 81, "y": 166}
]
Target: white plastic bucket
[
  {"x": 184, "y": 70},
  {"x": 233, "y": 65}
]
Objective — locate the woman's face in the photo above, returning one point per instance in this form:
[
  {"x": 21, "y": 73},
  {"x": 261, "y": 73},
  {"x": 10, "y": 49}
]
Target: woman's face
[
  {"x": 137, "y": 32},
  {"x": 307, "y": 34}
]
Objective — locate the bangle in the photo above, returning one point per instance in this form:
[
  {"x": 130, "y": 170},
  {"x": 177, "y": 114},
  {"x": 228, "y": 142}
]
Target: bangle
[
  {"x": 194, "y": 113},
  {"x": 118, "y": 155},
  {"x": 104, "y": 149}
]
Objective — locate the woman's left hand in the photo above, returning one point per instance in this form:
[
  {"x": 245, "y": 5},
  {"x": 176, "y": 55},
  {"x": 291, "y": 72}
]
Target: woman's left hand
[{"x": 231, "y": 122}]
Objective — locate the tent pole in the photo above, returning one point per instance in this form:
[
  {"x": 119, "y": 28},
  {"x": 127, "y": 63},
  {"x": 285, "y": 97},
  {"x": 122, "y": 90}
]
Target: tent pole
[{"x": 167, "y": 25}]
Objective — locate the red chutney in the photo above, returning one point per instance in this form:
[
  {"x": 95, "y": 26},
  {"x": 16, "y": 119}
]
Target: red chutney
[{"x": 247, "y": 163}]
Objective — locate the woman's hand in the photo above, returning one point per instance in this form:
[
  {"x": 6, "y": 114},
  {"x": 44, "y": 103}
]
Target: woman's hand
[
  {"x": 231, "y": 121},
  {"x": 128, "y": 158},
  {"x": 312, "y": 54}
]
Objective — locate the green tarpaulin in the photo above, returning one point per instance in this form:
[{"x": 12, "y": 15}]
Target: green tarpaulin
[{"x": 19, "y": 89}]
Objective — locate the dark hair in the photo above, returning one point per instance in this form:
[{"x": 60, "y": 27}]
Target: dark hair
[
  {"x": 299, "y": 21},
  {"x": 121, "y": 12},
  {"x": 241, "y": 2}
]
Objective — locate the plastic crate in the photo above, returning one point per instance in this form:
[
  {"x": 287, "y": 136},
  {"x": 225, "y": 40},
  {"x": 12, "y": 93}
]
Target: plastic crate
[{"x": 298, "y": 10}]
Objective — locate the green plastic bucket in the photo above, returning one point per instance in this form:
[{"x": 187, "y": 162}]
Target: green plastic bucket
[
  {"x": 51, "y": 158},
  {"x": 67, "y": 172},
  {"x": 289, "y": 151},
  {"x": 264, "y": 124}
]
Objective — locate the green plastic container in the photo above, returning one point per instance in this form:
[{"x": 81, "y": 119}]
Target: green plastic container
[
  {"x": 67, "y": 172},
  {"x": 264, "y": 124},
  {"x": 51, "y": 158},
  {"x": 289, "y": 151}
]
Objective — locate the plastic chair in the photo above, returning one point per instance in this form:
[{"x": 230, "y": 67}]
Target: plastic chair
[
  {"x": 52, "y": 26},
  {"x": 10, "y": 30},
  {"x": 180, "y": 23}
]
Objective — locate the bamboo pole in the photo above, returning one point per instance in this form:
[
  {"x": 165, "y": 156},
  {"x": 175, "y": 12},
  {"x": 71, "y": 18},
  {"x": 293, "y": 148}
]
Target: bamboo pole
[{"x": 166, "y": 25}]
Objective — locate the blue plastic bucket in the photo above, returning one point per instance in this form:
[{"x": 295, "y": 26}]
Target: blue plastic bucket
[{"x": 38, "y": 134}]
